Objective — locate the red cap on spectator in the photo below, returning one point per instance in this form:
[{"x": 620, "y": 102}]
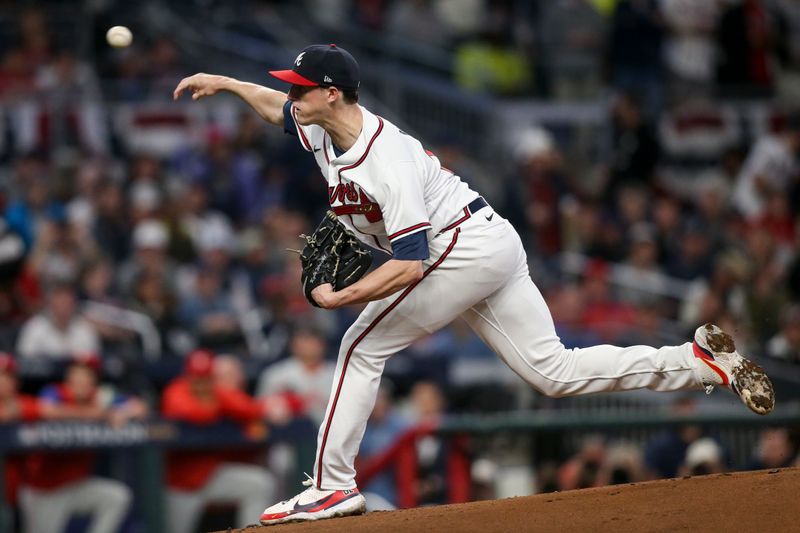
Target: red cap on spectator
[
  {"x": 7, "y": 363},
  {"x": 199, "y": 363},
  {"x": 596, "y": 269},
  {"x": 88, "y": 359},
  {"x": 273, "y": 285}
]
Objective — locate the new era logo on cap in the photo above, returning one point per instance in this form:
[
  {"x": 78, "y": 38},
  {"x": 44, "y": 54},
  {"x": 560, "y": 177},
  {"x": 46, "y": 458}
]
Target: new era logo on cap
[{"x": 322, "y": 64}]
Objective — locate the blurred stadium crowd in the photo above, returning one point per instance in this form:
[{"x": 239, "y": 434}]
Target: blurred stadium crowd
[{"x": 138, "y": 238}]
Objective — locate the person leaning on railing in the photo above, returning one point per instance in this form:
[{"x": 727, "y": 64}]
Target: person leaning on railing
[
  {"x": 14, "y": 407},
  {"x": 62, "y": 482},
  {"x": 196, "y": 478}
]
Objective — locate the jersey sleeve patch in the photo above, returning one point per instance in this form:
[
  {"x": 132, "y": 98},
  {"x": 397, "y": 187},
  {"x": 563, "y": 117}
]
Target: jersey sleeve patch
[{"x": 411, "y": 247}]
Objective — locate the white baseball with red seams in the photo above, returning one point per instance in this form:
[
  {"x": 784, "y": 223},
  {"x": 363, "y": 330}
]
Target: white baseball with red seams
[{"x": 387, "y": 186}]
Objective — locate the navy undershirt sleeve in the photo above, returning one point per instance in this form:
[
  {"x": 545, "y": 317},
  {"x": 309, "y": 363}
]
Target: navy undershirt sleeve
[
  {"x": 288, "y": 122},
  {"x": 411, "y": 247}
]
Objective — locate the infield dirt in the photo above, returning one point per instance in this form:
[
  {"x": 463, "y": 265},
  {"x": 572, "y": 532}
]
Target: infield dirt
[{"x": 766, "y": 500}]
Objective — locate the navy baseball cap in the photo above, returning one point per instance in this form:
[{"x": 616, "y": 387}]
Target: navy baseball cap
[{"x": 322, "y": 65}]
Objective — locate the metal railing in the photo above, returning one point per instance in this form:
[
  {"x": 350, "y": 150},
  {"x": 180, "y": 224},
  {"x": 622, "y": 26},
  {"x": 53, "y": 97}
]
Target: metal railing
[
  {"x": 129, "y": 320},
  {"x": 144, "y": 444},
  {"x": 736, "y": 429}
]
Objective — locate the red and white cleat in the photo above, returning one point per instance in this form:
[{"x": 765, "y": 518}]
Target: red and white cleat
[
  {"x": 315, "y": 504},
  {"x": 721, "y": 364}
]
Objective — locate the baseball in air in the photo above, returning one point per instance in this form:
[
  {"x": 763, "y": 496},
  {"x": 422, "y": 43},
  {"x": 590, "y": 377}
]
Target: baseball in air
[{"x": 119, "y": 36}]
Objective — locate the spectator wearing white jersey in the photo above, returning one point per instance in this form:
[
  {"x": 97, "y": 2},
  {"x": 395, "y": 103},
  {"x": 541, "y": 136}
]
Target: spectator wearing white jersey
[
  {"x": 60, "y": 331},
  {"x": 769, "y": 168},
  {"x": 297, "y": 386},
  {"x": 303, "y": 380}
]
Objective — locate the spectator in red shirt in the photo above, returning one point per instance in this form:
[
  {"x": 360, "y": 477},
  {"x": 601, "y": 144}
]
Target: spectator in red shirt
[
  {"x": 14, "y": 407},
  {"x": 57, "y": 485},
  {"x": 195, "y": 478}
]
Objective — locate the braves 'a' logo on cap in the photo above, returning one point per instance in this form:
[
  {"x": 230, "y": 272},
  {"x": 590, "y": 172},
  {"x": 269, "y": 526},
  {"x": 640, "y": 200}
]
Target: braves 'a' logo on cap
[{"x": 299, "y": 59}]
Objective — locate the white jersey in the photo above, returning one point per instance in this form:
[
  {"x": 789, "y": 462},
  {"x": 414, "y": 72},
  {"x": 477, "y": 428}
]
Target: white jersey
[
  {"x": 769, "y": 160},
  {"x": 290, "y": 375},
  {"x": 386, "y": 186}
]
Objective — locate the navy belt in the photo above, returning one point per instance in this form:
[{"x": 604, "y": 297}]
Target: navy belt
[
  {"x": 472, "y": 207},
  {"x": 476, "y": 205}
]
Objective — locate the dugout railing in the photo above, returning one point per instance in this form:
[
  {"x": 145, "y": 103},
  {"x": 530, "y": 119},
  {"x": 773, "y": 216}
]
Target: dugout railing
[
  {"x": 136, "y": 452},
  {"x": 456, "y": 431},
  {"x": 138, "y": 448}
]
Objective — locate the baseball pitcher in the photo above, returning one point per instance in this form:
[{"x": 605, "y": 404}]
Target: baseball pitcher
[{"x": 451, "y": 256}]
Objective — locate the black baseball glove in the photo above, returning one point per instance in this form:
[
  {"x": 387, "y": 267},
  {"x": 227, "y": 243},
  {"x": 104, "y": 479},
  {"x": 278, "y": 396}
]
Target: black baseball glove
[{"x": 334, "y": 255}]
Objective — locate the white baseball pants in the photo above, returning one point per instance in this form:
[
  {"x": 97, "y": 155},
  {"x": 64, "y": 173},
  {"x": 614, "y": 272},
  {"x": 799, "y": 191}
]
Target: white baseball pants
[
  {"x": 248, "y": 486},
  {"x": 49, "y": 511},
  {"x": 477, "y": 271}
]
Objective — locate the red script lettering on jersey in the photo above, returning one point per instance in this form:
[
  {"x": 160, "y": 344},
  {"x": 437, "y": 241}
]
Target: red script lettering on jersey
[{"x": 358, "y": 203}]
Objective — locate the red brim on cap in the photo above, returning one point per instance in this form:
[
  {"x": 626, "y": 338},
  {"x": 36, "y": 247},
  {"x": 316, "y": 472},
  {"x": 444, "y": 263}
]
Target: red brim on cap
[{"x": 292, "y": 77}]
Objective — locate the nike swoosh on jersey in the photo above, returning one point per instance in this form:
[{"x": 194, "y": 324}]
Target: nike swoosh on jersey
[
  {"x": 316, "y": 149},
  {"x": 490, "y": 217}
]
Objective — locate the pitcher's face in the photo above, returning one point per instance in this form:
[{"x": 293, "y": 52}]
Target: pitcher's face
[{"x": 312, "y": 103}]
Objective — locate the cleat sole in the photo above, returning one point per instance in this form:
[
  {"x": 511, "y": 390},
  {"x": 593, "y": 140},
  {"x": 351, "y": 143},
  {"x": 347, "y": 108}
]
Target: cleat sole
[
  {"x": 750, "y": 381},
  {"x": 755, "y": 388},
  {"x": 718, "y": 340}
]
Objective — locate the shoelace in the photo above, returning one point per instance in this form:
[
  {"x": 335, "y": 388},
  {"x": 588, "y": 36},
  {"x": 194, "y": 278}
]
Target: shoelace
[{"x": 308, "y": 482}]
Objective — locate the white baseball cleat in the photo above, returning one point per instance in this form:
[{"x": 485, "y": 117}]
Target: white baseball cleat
[
  {"x": 315, "y": 504},
  {"x": 723, "y": 365}
]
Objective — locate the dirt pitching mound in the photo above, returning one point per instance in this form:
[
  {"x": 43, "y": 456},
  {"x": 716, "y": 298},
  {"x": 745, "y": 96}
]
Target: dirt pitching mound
[{"x": 767, "y": 500}]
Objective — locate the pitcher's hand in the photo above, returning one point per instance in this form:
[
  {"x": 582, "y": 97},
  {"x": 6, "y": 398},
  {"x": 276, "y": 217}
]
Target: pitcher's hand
[
  {"x": 325, "y": 296},
  {"x": 200, "y": 84}
]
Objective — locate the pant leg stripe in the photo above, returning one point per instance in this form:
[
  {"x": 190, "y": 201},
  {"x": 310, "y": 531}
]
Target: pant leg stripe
[{"x": 369, "y": 328}]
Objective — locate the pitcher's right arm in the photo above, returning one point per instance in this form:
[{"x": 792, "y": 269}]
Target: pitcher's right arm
[{"x": 268, "y": 103}]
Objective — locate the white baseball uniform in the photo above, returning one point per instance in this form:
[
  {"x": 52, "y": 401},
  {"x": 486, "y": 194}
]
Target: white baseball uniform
[{"x": 387, "y": 187}]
